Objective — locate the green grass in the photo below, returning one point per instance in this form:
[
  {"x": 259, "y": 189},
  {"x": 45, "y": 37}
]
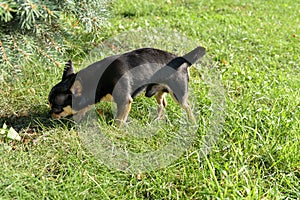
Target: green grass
[{"x": 255, "y": 45}]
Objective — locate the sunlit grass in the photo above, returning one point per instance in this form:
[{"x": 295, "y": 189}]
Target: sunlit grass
[{"x": 255, "y": 46}]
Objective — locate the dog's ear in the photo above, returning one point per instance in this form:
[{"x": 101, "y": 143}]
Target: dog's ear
[
  {"x": 69, "y": 70},
  {"x": 76, "y": 88}
]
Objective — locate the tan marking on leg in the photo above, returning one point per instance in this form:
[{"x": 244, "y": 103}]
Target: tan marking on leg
[
  {"x": 185, "y": 105},
  {"x": 79, "y": 114},
  {"x": 122, "y": 113},
  {"x": 189, "y": 112},
  {"x": 162, "y": 103},
  {"x": 107, "y": 97}
]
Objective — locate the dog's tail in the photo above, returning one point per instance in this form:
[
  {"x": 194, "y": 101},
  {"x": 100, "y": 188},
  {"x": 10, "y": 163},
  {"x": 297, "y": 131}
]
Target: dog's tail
[
  {"x": 194, "y": 55},
  {"x": 188, "y": 59}
]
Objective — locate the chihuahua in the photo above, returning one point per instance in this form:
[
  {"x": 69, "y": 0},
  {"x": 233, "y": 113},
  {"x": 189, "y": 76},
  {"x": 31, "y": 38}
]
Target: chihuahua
[{"x": 120, "y": 78}]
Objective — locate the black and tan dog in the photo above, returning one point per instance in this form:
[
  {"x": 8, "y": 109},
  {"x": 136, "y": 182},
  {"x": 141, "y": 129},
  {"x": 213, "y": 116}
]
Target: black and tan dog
[{"x": 122, "y": 77}]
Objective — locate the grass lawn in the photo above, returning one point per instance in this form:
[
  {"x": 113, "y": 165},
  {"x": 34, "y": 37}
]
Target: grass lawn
[{"x": 255, "y": 46}]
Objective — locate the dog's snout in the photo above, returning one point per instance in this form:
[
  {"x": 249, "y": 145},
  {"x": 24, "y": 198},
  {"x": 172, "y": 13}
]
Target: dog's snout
[{"x": 50, "y": 114}]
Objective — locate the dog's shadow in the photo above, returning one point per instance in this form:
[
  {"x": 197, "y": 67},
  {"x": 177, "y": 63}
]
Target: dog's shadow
[{"x": 35, "y": 120}]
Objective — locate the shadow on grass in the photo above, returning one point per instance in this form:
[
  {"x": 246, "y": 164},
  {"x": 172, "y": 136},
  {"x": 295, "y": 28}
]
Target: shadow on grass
[{"x": 35, "y": 120}]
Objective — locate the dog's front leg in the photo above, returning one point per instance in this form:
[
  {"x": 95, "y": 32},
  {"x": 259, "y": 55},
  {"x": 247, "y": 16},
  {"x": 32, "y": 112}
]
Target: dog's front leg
[
  {"x": 123, "y": 109},
  {"x": 79, "y": 115}
]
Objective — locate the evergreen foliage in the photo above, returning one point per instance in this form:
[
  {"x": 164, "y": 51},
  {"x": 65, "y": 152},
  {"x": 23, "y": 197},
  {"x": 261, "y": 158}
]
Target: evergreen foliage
[{"x": 49, "y": 28}]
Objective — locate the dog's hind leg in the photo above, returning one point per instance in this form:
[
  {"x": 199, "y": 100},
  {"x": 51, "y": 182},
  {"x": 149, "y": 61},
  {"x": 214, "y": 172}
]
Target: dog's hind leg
[
  {"x": 189, "y": 112},
  {"x": 182, "y": 100},
  {"x": 123, "y": 109},
  {"x": 162, "y": 103}
]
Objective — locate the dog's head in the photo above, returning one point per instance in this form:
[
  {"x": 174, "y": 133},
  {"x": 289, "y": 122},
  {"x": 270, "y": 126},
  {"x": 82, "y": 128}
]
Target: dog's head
[{"x": 60, "y": 97}]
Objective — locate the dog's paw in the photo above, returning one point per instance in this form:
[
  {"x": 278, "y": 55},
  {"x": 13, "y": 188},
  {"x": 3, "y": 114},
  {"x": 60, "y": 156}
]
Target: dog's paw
[{"x": 77, "y": 117}]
